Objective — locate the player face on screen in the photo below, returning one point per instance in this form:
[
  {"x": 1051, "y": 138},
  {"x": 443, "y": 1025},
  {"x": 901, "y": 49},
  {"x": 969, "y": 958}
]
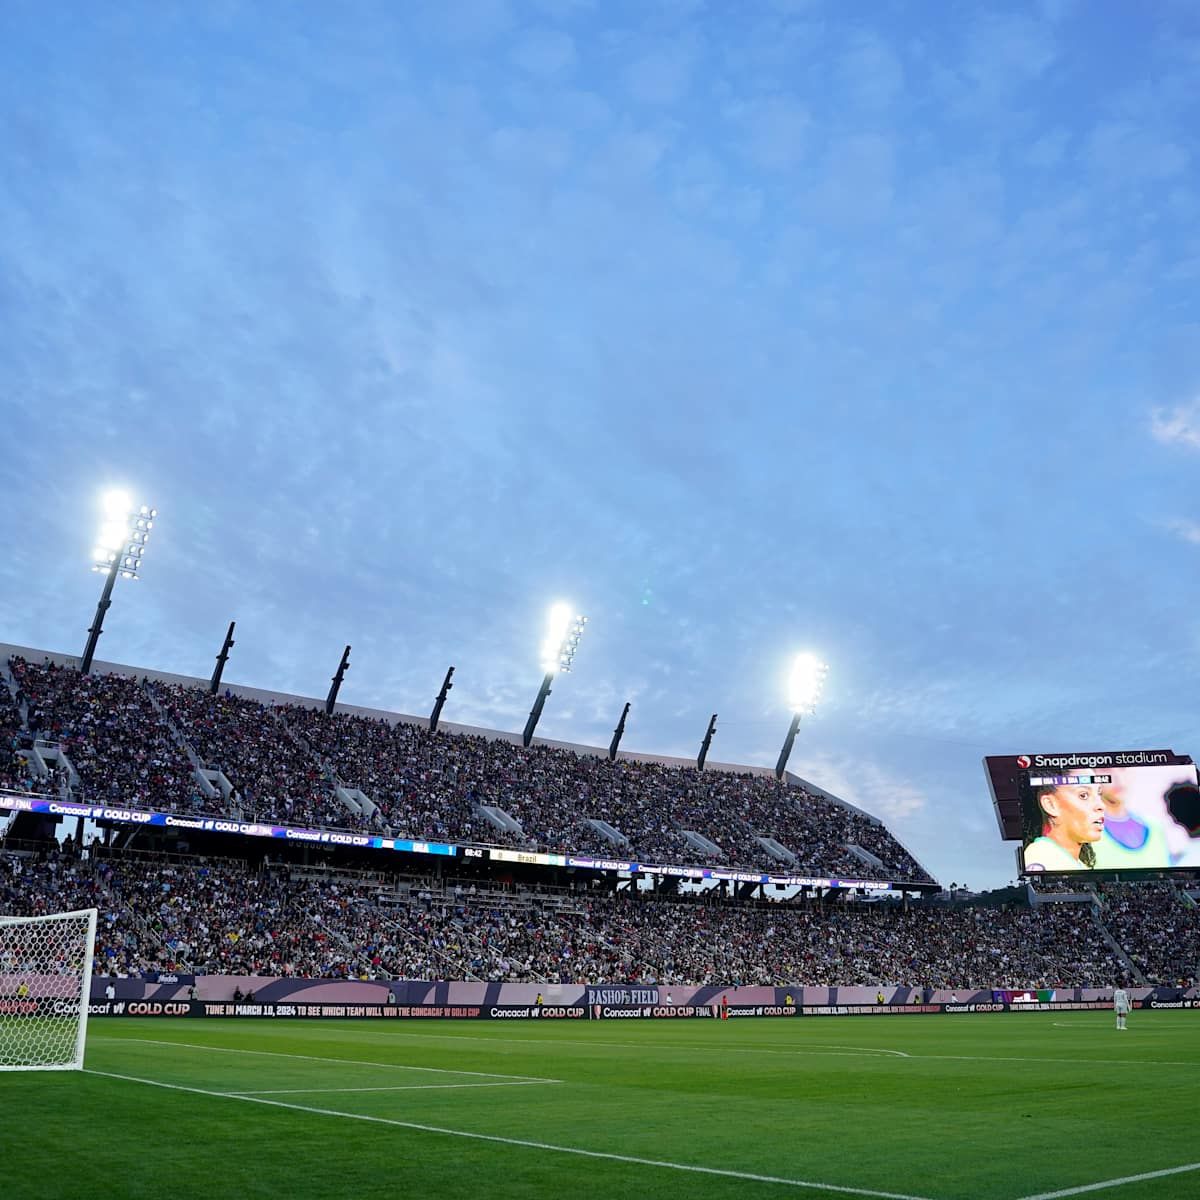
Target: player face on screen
[
  {"x": 1072, "y": 815},
  {"x": 1114, "y": 794}
]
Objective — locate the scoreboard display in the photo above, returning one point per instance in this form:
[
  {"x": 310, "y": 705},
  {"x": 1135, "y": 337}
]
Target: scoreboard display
[{"x": 1116, "y": 811}]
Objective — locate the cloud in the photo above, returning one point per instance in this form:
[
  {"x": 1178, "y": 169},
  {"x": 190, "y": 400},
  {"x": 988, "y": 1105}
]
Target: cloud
[
  {"x": 1005, "y": 50},
  {"x": 662, "y": 75},
  {"x": 866, "y": 785},
  {"x": 1188, "y": 531},
  {"x": 1133, "y": 152},
  {"x": 872, "y": 72},
  {"x": 547, "y": 53},
  {"x": 772, "y": 131},
  {"x": 1048, "y": 150},
  {"x": 1178, "y": 426}
]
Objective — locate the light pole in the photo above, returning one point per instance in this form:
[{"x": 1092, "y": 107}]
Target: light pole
[
  {"x": 563, "y": 632},
  {"x": 805, "y": 682},
  {"x": 440, "y": 702},
  {"x": 222, "y": 658},
  {"x": 618, "y": 733},
  {"x": 118, "y": 551},
  {"x": 335, "y": 686},
  {"x": 702, "y": 757}
]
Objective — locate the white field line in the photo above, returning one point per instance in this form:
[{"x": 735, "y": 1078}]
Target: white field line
[
  {"x": 1112, "y": 1183},
  {"x": 708, "y": 1048},
  {"x": 690, "y": 1047},
  {"x": 349, "y": 1062},
  {"x": 399, "y": 1087},
  {"x": 865, "y": 1049},
  {"x": 531, "y": 1145},
  {"x": 1143, "y": 1030}
]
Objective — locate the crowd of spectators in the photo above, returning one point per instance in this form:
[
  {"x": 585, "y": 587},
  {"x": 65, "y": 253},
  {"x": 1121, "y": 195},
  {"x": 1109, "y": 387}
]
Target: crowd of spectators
[
  {"x": 621, "y": 940},
  {"x": 129, "y": 742},
  {"x": 111, "y": 733},
  {"x": 431, "y": 784},
  {"x": 218, "y": 917},
  {"x": 276, "y": 778},
  {"x": 1157, "y": 926},
  {"x": 209, "y": 917},
  {"x": 425, "y": 786},
  {"x": 15, "y": 772}
]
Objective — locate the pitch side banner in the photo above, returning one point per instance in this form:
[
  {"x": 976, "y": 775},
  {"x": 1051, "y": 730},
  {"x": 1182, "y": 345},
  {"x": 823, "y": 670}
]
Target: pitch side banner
[
  {"x": 545, "y": 1012},
  {"x": 473, "y": 1012}
]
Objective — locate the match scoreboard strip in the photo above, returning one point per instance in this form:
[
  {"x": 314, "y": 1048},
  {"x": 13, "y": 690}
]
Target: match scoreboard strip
[{"x": 1068, "y": 780}]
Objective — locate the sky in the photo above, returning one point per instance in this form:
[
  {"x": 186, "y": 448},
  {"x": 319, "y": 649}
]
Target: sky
[{"x": 871, "y": 329}]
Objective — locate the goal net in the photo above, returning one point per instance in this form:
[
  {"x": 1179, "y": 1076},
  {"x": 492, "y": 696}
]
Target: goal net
[{"x": 45, "y": 983}]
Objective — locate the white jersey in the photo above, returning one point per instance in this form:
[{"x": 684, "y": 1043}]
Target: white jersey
[{"x": 1120, "y": 1000}]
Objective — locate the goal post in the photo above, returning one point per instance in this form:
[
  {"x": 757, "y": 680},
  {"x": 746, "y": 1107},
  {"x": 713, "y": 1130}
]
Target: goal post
[{"x": 45, "y": 986}]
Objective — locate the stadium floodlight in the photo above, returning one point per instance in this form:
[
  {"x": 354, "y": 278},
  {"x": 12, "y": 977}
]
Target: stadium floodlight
[
  {"x": 564, "y": 630},
  {"x": 806, "y": 681},
  {"x": 119, "y": 549}
]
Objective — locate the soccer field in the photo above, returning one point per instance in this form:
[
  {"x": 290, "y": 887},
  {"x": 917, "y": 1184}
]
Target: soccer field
[{"x": 983, "y": 1107}]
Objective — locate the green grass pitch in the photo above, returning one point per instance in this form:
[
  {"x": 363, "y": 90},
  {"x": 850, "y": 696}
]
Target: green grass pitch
[{"x": 971, "y": 1107}]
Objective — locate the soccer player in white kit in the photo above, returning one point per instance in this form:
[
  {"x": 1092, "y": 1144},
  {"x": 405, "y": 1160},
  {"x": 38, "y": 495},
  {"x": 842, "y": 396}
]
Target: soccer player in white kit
[{"x": 1120, "y": 1005}]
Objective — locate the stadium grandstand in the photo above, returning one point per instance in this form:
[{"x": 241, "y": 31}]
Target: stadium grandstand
[
  {"x": 771, "y": 882},
  {"x": 155, "y": 742}
]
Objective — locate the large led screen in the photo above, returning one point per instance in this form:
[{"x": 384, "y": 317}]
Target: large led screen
[{"x": 1077, "y": 817}]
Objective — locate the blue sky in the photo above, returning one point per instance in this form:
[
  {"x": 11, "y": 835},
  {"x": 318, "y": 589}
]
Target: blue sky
[{"x": 866, "y": 328}]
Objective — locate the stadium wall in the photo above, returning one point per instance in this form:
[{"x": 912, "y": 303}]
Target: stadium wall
[{"x": 274, "y": 990}]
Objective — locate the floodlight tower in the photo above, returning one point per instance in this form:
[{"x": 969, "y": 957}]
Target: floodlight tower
[
  {"x": 214, "y": 683},
  {"x": 440, "y": 702},
  {"x": 119, "y": 548},
  {"x": 805, "y": 682},
  {"x": 618, "y": 733},
  {"x": 702, "y": 757},
  {"x": 335, "y": 686},
  {"x": 563, "y": 632}
]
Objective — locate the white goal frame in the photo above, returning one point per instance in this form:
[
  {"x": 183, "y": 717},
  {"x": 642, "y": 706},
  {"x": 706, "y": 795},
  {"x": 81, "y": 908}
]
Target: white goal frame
[{"x": 81, "y": 992}]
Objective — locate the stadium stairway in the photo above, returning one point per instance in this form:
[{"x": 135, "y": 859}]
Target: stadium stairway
[{"x": 1117, "y": 949}]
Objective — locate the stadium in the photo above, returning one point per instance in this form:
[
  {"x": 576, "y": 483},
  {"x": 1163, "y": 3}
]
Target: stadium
[
  {"x": 639, "y": 636},
  {"x": 281, "y": 886}
]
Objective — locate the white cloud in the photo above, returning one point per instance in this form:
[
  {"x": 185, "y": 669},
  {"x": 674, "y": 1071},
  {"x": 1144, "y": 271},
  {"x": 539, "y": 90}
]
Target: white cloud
[
  {"x": 872, "y": 72},
  {"x": 773, "y": 131},
  {"x": 661, "y": 76},
  {"x": 1189, "y": 531},
  {"x": 547, "y": 53},
  {"x": 1177, "y": 426},
  {"x": 866, "y": 785},
  {"x": 1133, "y": 152},
  {"x": 1004, "y": 51}
]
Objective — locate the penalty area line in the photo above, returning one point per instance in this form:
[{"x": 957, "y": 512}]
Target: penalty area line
[
  {"x": 690, "y": 1168},
  {"x": 398, "y": 1087},
  {"x": 1112, "y": 1183},
  {"x": 348, "y": 1062}
]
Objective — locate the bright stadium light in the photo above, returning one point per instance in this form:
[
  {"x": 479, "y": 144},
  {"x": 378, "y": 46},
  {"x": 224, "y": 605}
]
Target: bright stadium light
[
  {"x": 806, "y": 681},
  {"x": 563, "y": 633},
  {"x": 564, "y": 630},
  {"x": 118, "y": 550},
  {"x": 116, "y": 504}
]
